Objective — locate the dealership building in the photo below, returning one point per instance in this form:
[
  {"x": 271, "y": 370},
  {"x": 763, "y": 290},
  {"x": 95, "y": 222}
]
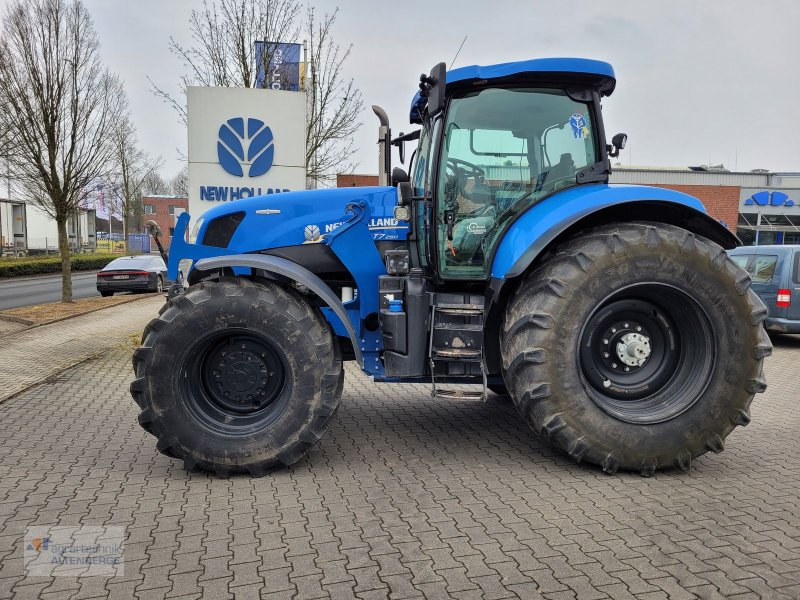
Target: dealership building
[{"x": 761, "y": 207}]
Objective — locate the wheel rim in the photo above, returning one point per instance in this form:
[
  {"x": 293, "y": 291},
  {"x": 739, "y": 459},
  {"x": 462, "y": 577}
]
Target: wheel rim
[
  {"x": 159, "y": 285},
  {"x": 647, "y": 353},
  {"x": 235, "y": 379}
]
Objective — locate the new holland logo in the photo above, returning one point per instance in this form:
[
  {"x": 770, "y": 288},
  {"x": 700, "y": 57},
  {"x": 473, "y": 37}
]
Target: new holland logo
[
  {"x": 769, "y": 199},
  {"x": 237, "y": 148},
  {"x": 312, "y": 233}
]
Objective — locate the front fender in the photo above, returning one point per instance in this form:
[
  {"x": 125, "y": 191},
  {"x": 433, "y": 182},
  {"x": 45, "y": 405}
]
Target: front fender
[
  {"x": 536, "y": 228},
  {"x": 293, "y": 271}
]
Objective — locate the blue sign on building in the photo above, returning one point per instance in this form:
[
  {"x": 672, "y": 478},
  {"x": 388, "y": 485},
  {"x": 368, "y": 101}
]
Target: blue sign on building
[{"x": 282, "y": 71}]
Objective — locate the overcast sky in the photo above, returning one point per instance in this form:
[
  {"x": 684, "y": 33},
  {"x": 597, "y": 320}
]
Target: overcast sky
[{"x": 697, "y": 82}]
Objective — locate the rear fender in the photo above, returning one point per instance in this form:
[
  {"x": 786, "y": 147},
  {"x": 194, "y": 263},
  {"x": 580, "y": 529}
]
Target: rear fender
[{"x": 585, "y": 206}]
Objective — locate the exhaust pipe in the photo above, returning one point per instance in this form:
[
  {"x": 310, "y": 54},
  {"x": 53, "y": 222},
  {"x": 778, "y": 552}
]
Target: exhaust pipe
[{"x": 384, "y": 146}]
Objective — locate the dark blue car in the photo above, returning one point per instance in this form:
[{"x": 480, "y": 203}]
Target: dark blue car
[
  {"x": 132, "y": 274},
  {"x": 775, "y": 271}
]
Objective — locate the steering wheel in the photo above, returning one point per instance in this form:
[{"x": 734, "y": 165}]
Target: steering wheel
[
  {"x": 476, "y": 171},
  {"x": 457, "y": 176}
]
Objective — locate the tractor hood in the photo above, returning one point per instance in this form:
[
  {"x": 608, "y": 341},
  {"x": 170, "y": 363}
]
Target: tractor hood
[{"x": 294, "y": 218}]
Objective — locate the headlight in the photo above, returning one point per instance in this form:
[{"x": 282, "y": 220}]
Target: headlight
[{"x": 195, "y": 230}]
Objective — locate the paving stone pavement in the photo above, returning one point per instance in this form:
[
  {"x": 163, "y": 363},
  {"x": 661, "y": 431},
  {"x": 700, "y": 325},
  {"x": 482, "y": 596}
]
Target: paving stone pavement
[
  {"x": 7, "y": 327},
  {"x": 405, "y": 497},
  {"x": 32, "y": 355}
]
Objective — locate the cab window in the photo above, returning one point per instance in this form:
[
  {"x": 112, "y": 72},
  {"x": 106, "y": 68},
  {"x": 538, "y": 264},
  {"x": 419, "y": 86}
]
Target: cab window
[{"x": 503, "y": 150}]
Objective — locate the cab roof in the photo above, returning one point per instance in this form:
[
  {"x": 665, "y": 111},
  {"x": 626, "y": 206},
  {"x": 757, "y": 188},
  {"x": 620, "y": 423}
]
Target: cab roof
[{"x": 596, "y": 73}]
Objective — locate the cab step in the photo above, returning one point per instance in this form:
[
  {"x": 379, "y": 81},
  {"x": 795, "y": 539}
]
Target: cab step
[
  {"x": 456, "y": 343},
  {"x": 459, "y": 394}
]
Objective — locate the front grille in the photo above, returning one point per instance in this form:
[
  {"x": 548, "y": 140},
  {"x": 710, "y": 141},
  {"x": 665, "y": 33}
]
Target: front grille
[{"x": 220, "y": 231}]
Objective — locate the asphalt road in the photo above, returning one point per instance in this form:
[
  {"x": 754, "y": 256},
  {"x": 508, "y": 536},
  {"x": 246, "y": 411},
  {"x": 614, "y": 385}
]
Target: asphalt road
[{"x": 24, "y": 291}]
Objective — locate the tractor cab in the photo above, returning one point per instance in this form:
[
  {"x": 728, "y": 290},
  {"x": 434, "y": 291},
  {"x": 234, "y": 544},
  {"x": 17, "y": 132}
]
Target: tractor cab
[{"x": 495, "y": 141}]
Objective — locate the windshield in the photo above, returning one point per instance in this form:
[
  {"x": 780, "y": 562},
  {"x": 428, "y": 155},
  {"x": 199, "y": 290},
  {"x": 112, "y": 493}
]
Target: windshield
[{"x": 503, "y": 150}]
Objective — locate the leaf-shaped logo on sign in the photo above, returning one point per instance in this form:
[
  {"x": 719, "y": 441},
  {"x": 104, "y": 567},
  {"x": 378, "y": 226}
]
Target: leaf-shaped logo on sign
[{"x": 253, "y": 148}]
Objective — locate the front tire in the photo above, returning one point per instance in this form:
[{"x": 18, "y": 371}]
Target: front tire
[
  {"x": 235, "y": 376},
  {"x": 636, "y": 347}
]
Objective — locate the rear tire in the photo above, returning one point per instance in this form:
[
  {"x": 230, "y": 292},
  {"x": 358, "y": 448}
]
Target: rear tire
[
  {"x": 106, "y": 294},
  {"x": 580, "y": 365},
  {"x": 235, "y": 376}
]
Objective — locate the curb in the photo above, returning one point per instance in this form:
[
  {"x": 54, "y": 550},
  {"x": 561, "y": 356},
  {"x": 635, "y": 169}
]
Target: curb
[
  {"x": 13, "y": 319},
  {"x": 33, "y": 325}
]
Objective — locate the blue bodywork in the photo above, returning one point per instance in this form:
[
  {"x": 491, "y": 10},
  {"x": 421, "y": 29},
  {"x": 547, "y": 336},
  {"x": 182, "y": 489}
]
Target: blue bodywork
[
  {"x": 550, "y": 216},
  {"x": 598, "y": 71},
  {"x": 323, "y": 209}
]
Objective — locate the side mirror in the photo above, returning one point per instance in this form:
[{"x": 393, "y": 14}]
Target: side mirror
[
  {"x": 617, "y": 143},
  {"x": 399, "y": 176},
  {"x": 401, "y": 148},
  {"x": 432, "y": 86}
]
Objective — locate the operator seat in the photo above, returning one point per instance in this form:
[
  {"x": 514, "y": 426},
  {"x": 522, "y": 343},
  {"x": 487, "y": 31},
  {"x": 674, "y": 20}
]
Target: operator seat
[{"x": 564, "y": 168}]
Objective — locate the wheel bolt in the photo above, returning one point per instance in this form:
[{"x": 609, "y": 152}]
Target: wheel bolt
[
  {"x": 638, "y": 328},
  {"x": 613, "y": 330},
  {"x": 605, "y": 341},
  {"x": 626, "y": 325},
  {"x": 627, "y": 368},
  {"x": 605, "y": 354},
  {"x": 614, "y": 365}
]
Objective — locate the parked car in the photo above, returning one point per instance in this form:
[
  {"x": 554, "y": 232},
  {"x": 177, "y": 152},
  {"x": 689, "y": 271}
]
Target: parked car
[
  {"x": 132, "y": 274},
  {"x": 775, "y": 271}
]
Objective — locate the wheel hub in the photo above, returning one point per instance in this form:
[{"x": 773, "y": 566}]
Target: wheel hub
[
  {"x": 633, "y": 349},
  {"x": 242, "y": 375}
]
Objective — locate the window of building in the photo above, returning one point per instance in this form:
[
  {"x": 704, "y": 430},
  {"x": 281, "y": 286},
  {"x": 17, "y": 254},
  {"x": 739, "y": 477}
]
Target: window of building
[
  {"x": 172, "y": 208},
  {"x": 171, "y": 231},
  {"x": 149, "y": 209}
]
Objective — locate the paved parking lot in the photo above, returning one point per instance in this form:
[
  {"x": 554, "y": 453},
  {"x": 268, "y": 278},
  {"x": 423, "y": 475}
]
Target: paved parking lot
[{"x": 404, "y": 497}]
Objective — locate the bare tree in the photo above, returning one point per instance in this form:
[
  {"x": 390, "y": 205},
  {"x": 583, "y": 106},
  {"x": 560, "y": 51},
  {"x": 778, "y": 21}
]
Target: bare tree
[
  {"x": 223, "y": 53},
  {"x": 133, "y": 167},
  {"x": 155, "y": 185},
  {"x": 60, "y": 105},
  {"x": 333, "y": 103},
  {"x": 179, "y": 185}
]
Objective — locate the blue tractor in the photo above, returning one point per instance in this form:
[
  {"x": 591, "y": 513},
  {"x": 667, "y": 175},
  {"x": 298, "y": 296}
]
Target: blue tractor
[{"x": 611, "y": 315}]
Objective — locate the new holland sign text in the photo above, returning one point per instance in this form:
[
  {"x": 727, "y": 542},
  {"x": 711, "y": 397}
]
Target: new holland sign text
[{"x": 243, "y": 142}]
